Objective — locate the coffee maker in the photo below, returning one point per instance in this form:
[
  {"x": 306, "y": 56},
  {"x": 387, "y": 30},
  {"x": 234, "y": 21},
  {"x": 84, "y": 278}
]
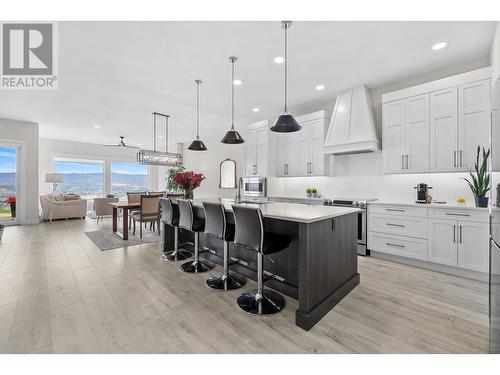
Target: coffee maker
[{"x": 423, "y": 193}]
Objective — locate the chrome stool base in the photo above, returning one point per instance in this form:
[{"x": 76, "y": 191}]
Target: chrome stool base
[
  {"x": 271, "y": 302},
  {"x": 176, "y": 255},
  {"x": 197, "y": 266},
  {"x": 229, "y": 282}
]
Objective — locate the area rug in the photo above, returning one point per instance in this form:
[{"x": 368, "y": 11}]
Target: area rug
[{"x": 107, "y": 240}]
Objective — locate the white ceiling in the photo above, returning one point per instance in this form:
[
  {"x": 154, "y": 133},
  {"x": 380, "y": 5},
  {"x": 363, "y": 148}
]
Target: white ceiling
[{"x": 115, "y": 74}]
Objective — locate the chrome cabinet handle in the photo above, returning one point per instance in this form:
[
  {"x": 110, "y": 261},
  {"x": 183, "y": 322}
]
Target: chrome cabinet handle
[
  {"x": 461, "y": 161},
  {"x": 460, "y": 234},
  {"x": 395, "y": 225},
  {"x": 454, "y": 159},
  {"x": 407, "y": 161},
  {"x": 394, "y": 210},
  {"x": 454, "y": 234},
  {"x": 451, "y": 214},
  {"x": 402, "y": 162},
  {"x": 393, "y": 244}
]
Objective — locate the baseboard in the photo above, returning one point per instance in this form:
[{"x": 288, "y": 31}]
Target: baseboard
[{"x": 474, "y": 275}]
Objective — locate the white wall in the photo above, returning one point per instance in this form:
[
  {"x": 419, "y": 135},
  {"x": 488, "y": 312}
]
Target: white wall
[
  {"x": 495, "y": 54},
  {"x": 207, "y": 162},
  {"x": 361, "y": 176},
  {"x": 26, "y": 135},
  {"x": 52, "y": 148}
]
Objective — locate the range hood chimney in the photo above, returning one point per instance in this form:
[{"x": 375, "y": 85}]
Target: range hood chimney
[{"x": 352, "y": 127}]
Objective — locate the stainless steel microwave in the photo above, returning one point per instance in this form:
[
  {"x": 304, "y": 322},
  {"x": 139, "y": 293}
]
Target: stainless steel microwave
[{"x": 255, "y": 187}]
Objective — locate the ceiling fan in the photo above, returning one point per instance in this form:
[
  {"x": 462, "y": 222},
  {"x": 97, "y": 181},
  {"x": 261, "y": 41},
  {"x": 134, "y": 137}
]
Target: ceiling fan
[{"x": 121, "y": 144}]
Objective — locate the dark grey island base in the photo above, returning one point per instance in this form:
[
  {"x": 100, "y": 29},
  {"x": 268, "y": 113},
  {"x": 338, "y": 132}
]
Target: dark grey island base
[{"x": 319, "y": 268}]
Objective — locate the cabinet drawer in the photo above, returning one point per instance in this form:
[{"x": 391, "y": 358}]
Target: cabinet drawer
[
  {"x": 479, "y": 215},
  {"x": 398, "y": 245},
  {"x": 399, "y": 225},
  {"x": 398, "y": 210}
]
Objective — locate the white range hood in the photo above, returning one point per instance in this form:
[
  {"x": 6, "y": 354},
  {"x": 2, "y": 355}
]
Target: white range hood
[{"x": 352, "y": 127}]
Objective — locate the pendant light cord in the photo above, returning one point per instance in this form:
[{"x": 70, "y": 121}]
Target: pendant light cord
[
  {"x": 285, "y": 27},
  {"x": 233, "y": 59},
  {"x": 198, "y": 109}
]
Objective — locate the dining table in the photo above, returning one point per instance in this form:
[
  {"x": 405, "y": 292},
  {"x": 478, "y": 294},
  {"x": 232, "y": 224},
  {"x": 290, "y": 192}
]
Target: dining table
[{"x": 126, "y": 207}]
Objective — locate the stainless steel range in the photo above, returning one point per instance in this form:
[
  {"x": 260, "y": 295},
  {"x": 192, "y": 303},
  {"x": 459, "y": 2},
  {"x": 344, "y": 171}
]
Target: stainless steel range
[{"x": 361, "y": 204}]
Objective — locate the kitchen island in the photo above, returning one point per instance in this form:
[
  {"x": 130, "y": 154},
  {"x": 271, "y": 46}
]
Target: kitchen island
[{"x": 319, "y": 267}]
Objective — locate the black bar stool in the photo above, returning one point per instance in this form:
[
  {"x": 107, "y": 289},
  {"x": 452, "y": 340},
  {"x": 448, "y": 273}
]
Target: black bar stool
[
  {"x": 188, "y": 220},
  {"x": 170, "y": 216},
  {"x": 216, "y": 226},
  {"x": 250, "y": 234}
]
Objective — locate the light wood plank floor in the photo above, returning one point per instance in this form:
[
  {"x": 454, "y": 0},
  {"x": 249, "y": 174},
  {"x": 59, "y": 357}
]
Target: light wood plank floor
[{"x": 60, "y": 294}]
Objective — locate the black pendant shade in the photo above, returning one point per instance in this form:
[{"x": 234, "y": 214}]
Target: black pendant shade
[
  {"x": 286, "y": 124},
  {"x": 232, "y": 137},
  {"x": 197, "y": 145}
]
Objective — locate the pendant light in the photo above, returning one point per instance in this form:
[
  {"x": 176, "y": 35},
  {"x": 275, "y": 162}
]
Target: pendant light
[
  {"x": 232, "y": 136},
  {"x": 197, "y": 144},
  {"x": 286, "y": 123}
]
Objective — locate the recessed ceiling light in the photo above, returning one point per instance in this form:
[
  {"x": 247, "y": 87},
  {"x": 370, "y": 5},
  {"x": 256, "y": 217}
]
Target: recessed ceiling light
[
  {"x": 237, "y": 82},
  {"x": 279, "y": 60},
  {"x": 256, "y": 109},
  {"x": 320, "y": 87},
  {"x": 97, "y": 126},
  {"x": 84, "y": 137},
  {"x": 439, "y": 46},
  {"x": 138, "y": 144},
  {"x": 160, "y": 136}
]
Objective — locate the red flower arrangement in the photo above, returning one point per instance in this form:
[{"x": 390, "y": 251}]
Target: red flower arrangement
[
  {"x": 188, "y": 181},
  {"x": 10, "y": 200}
]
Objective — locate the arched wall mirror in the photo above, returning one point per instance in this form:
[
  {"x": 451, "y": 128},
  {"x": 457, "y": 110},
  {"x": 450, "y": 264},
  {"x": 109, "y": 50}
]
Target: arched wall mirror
[{"x": 227, "y": 174}]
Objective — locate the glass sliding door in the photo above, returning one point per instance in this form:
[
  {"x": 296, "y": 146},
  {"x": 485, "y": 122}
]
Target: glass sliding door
[
  {"x": 8, "y": 183},
  {"x": 127, "y": 177},
  {"x": 84, "y": 178}
]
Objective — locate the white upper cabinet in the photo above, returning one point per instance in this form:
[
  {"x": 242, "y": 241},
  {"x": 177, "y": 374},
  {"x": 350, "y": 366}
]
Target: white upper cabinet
[
  {"x": 256, "y": 144},
  {"x": 406, "y": 135},
  {"x": 301, "y": 153},
  {"x": 443, "y": 130},
  {"x": 416, "y": 131},
  {"x": 440, "y": 128},
  {"x": 393, "y": 115},
  {"x": 286, "y": 154},
  {"x": 473, "y": 121}
]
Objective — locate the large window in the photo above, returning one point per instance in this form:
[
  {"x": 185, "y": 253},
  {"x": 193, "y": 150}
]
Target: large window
[
  {"x": 81, "y": 177},
  {"x": 128, "y": 176},
  {"x": 8, "y": 168}
]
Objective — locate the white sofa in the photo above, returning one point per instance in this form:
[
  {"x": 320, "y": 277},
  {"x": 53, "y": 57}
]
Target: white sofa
[{"x": 63, "y": 206}]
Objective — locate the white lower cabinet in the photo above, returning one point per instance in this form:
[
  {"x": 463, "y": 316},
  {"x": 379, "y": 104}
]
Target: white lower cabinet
[
  {"x": 442, "y": 242},
  {"x": 473, "y": 246},
  {"x": 452, "y": 237},
  {"x": 398, "y": 245}
]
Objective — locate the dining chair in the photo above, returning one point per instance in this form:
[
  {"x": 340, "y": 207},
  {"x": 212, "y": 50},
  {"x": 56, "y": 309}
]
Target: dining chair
[
  {"x": 133, "y": 197},
  {"x": 149, "y": 212}
]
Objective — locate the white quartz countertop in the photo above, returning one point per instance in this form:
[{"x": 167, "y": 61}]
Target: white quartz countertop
[
  {"x": 287, "y": 211},
  {"x": 446, "y": 206}
]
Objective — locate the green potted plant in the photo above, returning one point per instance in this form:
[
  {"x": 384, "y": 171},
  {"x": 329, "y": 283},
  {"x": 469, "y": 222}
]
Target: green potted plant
[
  {"x": 309, "y": 192},
  {"x": 480, "y": 178},
  {"x": 2, "y": 227},
  {"x": 314, "y": 192}
]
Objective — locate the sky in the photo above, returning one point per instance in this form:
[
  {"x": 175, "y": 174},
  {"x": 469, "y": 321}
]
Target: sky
[
  {"x": 116, "y": 167},
  {"x": 7, "y": 159}
]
